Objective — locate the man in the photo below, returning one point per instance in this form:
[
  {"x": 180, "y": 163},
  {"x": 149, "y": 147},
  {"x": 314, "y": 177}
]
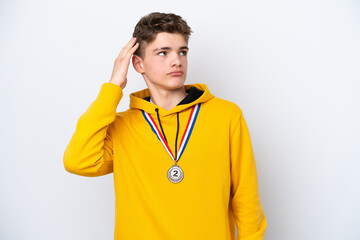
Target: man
[{"x": 195, "y": 189}]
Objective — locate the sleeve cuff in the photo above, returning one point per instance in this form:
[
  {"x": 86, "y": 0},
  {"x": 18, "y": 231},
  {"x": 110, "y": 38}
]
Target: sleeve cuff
[{"x": 110, "y": 92}]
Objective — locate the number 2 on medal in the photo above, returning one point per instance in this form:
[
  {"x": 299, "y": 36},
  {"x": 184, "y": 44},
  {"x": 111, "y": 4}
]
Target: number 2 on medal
[{"x": 175, "y": 173}]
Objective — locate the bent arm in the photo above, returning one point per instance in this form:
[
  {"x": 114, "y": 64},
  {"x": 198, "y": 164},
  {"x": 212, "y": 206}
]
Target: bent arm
[{"x": 90, "y": 151}]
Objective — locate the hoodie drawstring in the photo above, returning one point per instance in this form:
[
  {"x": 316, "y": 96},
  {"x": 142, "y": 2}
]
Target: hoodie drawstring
[{"x": 177, "y": 131}]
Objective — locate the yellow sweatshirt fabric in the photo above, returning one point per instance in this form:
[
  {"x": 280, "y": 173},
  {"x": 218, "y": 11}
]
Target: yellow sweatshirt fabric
[{"x": 220, "y": 185}]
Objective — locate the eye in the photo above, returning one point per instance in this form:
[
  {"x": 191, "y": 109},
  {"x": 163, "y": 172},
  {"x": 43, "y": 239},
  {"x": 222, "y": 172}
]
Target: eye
[
  {"x": 183, "y": 53},
  {"x": 162, "y": 53}
]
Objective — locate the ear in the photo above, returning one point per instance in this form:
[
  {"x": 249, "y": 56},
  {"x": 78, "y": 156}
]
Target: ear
[{"x": 138, "y": 64}]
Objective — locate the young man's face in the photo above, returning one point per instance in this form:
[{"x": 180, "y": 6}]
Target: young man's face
[{"x": 165, "y": 62}]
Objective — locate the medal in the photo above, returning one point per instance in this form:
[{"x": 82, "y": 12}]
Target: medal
[{"x": 175, "y": 174}]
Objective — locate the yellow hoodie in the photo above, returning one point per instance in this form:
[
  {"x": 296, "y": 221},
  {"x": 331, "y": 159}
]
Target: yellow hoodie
[{"x": 219, "y": 186}]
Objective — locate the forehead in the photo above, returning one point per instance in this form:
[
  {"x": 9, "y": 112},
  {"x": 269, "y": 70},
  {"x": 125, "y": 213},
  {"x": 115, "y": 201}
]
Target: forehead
[{"x": 164, "y": 39}]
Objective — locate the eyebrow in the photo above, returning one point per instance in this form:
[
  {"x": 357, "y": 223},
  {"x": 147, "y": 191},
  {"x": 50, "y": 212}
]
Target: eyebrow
[{"x": 168, "y": 48}]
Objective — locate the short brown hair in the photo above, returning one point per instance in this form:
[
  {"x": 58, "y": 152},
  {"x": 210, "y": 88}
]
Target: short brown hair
[{"x": 150, "y": 25}]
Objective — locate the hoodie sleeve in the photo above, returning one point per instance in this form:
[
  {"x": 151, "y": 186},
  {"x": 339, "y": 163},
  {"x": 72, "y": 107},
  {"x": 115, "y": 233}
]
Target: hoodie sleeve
[
  {"x": 90, "y": 151},
  {"x": 245, "y": 200}
]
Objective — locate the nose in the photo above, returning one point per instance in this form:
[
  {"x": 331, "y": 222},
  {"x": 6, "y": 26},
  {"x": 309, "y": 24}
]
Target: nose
[{"x": 175, "y": 60}]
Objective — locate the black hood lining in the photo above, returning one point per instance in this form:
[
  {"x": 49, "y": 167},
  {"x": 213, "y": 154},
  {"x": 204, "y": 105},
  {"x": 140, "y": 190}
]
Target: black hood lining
[{"x": 193, "y": 94}]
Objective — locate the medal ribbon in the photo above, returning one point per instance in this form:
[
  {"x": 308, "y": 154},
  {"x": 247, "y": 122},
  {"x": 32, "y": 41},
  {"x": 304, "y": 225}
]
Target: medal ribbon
[{"x": 189, "y": 127}]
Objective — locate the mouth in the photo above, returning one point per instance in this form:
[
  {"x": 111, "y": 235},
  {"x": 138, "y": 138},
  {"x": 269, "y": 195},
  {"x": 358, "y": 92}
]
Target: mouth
[{"x": 176, "y": 73}]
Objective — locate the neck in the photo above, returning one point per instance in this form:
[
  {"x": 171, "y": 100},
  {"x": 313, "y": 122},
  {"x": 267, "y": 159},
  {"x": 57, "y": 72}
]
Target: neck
[{"x": 167, "y": 99}]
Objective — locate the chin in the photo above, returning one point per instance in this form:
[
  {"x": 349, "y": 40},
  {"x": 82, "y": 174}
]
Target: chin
[
  {"x": 170, "y": 83},
  {"x": 176, "y": 83}
]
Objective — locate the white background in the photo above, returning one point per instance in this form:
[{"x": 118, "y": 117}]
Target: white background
[{"x": 292, "y": 67}]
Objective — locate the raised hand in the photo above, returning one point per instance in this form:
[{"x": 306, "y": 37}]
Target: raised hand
[{"x": 121, "y": 63}]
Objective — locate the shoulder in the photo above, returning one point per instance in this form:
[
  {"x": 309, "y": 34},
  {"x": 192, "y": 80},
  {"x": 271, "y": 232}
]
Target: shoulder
[
  {"x": 126, "y": 115},
  {"x": 124, "y": 118},
  {"x": 226, "y": 107}
]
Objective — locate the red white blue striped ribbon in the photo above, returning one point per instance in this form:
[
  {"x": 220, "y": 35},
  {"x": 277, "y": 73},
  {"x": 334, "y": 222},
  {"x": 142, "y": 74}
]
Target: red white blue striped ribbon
[{"x": 188, "y": 130}]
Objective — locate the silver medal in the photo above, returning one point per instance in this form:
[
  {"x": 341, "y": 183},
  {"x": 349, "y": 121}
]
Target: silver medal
[{"x": 175, "y": 174}]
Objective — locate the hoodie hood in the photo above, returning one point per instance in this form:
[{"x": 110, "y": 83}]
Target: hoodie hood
[{"x": 198, "y": 93}]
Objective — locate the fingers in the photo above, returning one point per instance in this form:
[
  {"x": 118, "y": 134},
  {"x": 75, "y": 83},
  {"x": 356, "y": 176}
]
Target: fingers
[
  {"x": 130, "y": 44},
  {"x": 133, "y": 49},
  {"x": 129, "y": 47}
]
